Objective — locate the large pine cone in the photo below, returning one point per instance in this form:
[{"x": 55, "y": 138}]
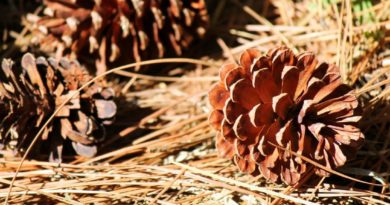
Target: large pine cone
[
  {"x": 30, "y": 93},
  {"x": 283, "y": 100},
  {"x": 112, "y": 28}
]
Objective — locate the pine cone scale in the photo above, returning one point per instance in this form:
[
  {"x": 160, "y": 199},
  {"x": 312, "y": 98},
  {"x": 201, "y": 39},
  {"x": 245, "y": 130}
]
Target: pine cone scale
[
  {"x": 281, "y": 105},
  {"x": 215, "y": 119},
  {"x": 105, "y": 109},
  {"x": 218, "y": 96},
  {"x": 289, "y": 76},
  {"x": 262, "y": 114},
  {"x": 244, "y": 164},
  {"x": 225, "y": 148},
  {"x": 244, "y": 129},
  {"x": 285, "y": 134},
  {"x": 232, "y": 76},
  {"x": 247, "y": 58},
  {"x": 264, "y": 84},
  {"x": 238, "y": 93},
  {"x": 232, "y": 110},
  {"x": 227, "y": 131}
]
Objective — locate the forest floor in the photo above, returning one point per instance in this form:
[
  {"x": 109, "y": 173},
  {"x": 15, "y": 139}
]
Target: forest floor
[{"x": 161, "y": 148}]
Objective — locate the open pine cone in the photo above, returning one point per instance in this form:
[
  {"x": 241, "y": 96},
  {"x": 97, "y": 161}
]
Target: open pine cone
[
  {"x": 269, "y": 106},
  {"x": 30, "y": 93},
  {"x": 119, "y": 28}
]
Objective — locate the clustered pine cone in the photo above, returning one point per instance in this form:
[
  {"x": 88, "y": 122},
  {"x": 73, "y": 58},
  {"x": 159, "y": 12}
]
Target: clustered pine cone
[
  {"x": 32, "y": 91},
  {"x": 269, "y": 106},
  {"x": 119, "y": 28}
]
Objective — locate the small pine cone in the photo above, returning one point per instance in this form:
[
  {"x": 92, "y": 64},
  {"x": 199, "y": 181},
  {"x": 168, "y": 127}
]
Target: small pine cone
[
  {"x": 30, "y": 94},
  {"x": 128, "y": 28},
  {"x": 268, "y": 105}
]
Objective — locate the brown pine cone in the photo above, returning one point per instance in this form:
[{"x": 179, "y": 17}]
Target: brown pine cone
[
  {"x": 281, "y": 100},
  {"x": 119, "y": 28},
  {"x": 31, "y": 92}
]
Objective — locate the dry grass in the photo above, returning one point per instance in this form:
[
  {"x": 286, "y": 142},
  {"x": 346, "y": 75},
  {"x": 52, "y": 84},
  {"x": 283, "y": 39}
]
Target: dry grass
[{"x": 168, "y": 156}]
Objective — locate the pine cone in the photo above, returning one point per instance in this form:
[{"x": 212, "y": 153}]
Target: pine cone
[
  {"x": 30, "y": 93},
  {"x": 115, "y": 28},
  {"x": 282, "y": 100}
]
